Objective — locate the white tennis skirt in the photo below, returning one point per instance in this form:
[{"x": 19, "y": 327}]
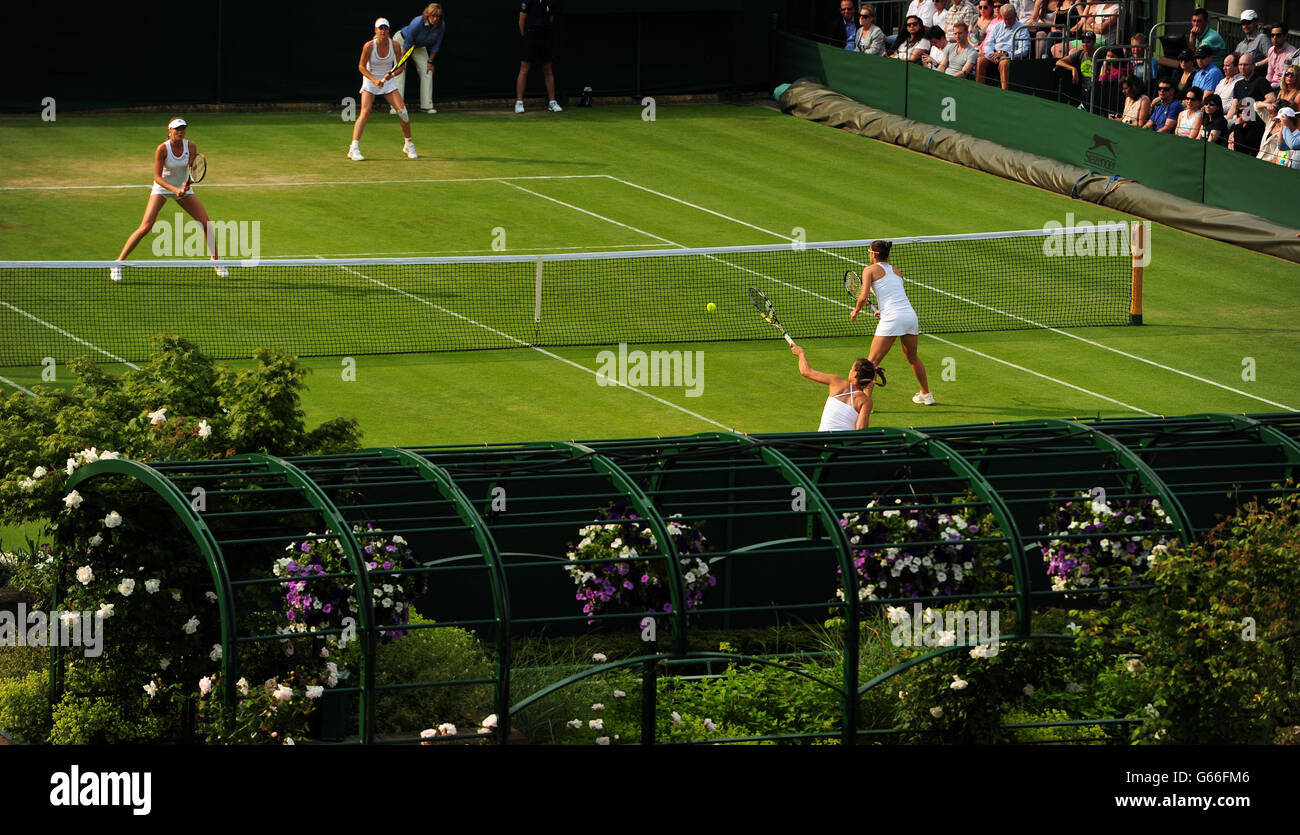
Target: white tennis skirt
[
  {"x": 898, "y": 322},
  {"x": 368, "y": 87}
]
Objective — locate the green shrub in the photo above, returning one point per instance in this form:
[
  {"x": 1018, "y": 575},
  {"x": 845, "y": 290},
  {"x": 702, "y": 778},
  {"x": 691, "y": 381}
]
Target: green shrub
[
  {"x": 1059, "y": 734},
  {"x": 24, "y": 706},
  {"x": 443, "y": 653},
  {"x": 753, "y": 700}
]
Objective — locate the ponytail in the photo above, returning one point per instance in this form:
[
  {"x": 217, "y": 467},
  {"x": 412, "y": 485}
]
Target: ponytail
[
  {"x": 865, "y": 372},
  {"x": 881, "y": 248}
]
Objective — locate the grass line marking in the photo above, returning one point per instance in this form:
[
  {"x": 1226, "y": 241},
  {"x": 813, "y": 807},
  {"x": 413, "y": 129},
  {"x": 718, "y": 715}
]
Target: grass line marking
[
  {"x": 23, "y": 389},
  {"x": 305, "y": 183},
  {"x": 73, "y": 337},
  {"x": 524, "y": 344},
  {"x": 919, "y": 283},
  {"x": 592, "y": 214}
]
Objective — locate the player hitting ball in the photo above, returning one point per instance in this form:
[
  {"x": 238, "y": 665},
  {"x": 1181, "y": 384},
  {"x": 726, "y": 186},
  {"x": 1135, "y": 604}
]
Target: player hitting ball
[
  {"x": 897, "y": 318},
  {"x": 379, "y": 63},
  {"x": 848, "y": 404}
]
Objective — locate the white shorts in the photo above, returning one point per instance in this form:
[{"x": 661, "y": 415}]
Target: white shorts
[
  {"x": 157, "y": 189},
  {"x": 390, "y": 86},
  {"x": 898, "y": 322}
]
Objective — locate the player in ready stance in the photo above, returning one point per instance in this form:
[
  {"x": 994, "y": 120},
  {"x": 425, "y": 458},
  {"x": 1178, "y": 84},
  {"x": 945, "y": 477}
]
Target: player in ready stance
[
  {"x": 897, "y": 318},
  {"x": 378, "y": 59}
]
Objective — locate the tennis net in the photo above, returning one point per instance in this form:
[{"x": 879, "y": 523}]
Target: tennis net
[{"x": 335, "y": 307}]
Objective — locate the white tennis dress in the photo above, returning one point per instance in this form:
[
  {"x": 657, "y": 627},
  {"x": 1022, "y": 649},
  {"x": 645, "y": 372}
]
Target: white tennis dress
[
  {"x": 897, "y": 317},
  {"x": 175, "y": 170},
  {"x": 379, "y": 67},
  {"x": 838, "y": 415}
]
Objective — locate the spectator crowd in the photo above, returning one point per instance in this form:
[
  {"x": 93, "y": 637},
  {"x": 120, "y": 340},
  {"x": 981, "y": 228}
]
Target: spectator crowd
[{"x": 1244, "y": 98}]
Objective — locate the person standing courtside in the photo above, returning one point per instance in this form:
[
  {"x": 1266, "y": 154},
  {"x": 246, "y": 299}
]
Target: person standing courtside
[
  {"x": 424, "y": 32},
  {"x": 535, "y": 21}
]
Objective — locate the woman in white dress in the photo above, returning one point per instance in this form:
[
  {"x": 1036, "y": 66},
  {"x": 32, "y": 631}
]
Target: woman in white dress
[
  {"x": 171, "y": 181},
  {"x": 897, "y": 318},
  {"x": 378, "y": 59},
  {"x": 848, "y": 404}
]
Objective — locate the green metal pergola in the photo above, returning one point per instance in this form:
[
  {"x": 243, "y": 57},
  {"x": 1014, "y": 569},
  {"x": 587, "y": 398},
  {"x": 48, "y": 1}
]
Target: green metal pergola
[{"x": 492, "y": 524}]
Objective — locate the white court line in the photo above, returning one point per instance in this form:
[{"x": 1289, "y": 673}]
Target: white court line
[
  {"x": 322, "y": 183},
  {"x": 74, "y": 338},
  {"x": 842, "y": 304},
  {"x": 25, "y": 391},
  {"x": 446, "y": 252},
  {"x": 593, "y": 214},
  {"x": 541, "y": 351},
  {"x": 1091, "y": 342}
]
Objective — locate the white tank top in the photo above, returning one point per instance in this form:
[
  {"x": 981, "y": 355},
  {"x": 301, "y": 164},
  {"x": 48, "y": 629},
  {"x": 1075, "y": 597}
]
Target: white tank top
[
  {"x": 889, "y": 292},
  {"x": 379, "y": 67},
  {"x": 176, "y": 168},
  {"x": 838, "y": 415}
]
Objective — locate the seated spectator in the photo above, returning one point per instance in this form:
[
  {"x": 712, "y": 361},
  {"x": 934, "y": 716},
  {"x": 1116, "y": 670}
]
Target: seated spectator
[
  {"x": 1066, "y": 11},
  {"x": 924, "y": 9},
  {"x": 960, "y": 56},
  {"x": 1191, "y": 118},
  {"x": 1144, "y": 66},
  {"x": 986, "y": 18},
  {"x": 963, "y": 11},
  {"x": 1247, "y": 128},
  {"x": 1230, "y": 78},
  {"x": 1137, "y": 105},
  {"x": 1186, "y": 73},
  {"x": 1214, "y": 128},
  {"x": 1103, "y": 20},
  {"x": 1253, "y": 39},
  {"x": 844, "y": 32},
  {"x": 1201, "y": 34},
  {"x": 938, "y": 40},
  {"x": 938, "y": 17},
  {"x": 1207, "y": 75},
  {"x": 1288, "y": 94},
  {"x": 911, "y": 45},
  {"x": 1006, "y": 40},
  {"x": 1116, "y": 66},
  {"x": 871, "y": 39},
  {"x": 1164, "y": 113},
  {"x": 1290, "y": 141},
  {"x": 1279, "y": 54},
  {"x": 1272, "y": 132},
  {"x": 1077, "y": 68}
]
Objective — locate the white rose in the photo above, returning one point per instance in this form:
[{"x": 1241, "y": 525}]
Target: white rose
[
  {"x": 40, "y": 472},
  {"x": 113, "y": 520},
  {"x": 73, "y": 500},
  {"x": 85, "y": 574},
  {"x": 126, "y": 587}
]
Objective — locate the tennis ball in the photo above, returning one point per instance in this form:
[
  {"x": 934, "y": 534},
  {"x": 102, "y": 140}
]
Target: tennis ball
[{"x": 711, "y": 307}]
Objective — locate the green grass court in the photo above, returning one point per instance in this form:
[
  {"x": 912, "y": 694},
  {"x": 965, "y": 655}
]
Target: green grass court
[{"x": 1219, "y": 332}]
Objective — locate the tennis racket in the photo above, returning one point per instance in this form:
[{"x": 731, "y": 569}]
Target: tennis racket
[
  {"x": 765, "y": 310},
  {"x": 853, "y": 284},
  {"x": 198, "y": 169},
  {"x": 407, "y": 54}
]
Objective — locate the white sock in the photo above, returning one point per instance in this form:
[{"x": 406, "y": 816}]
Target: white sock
[{"x": 355, "y": 143}]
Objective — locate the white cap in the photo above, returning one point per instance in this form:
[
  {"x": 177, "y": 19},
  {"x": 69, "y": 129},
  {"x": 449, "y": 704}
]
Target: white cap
[
  {"x": 1249, "y": 14},
  {"x": 1286, "y": 111},
  {"x": 176, "y": 123},
  {"x": 383, "y": 21}
]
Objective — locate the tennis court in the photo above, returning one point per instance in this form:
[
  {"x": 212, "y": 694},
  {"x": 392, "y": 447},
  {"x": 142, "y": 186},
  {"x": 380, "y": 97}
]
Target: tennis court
[{"x": 604, "y": 181}]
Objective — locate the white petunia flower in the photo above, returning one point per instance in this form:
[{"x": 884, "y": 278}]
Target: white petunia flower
[
  {"x": 602, "y": 740},
  {"x": 958, "y": 683},
  {"x": 596, "y": 724},
  {"x": 126, "y": 587},
  {"x": 26, "y": 484},
  {"x": 618, "y": 694},
  {"x": 676, "y": 717},
  {"x": 936, "y": 712},
  {"x": 282, "y": 693},
  {"x": 242, "y": 686},
  {"x": 96, "y": 541},
  {"x": 39, "y": 473},
  {"x": 71, "y": 466},
  {"x": 574, "y": 723},
  {"x": 447, "y": 729},
  {"x": 710, "y": 726},
  {"x": 215, "y": 655},
  {"x": 204, "y": 429},
  {"x": 598, "y": 706},
  {"x": 896, "y": 614},
  {"x": 159, "y": 417},
  {"x": 191, "y": 626},
  {"x": 599, "y": 658},
  {"x": 113, "y": 520},
  {"x": 205, "y": 685},
  {"x": 85, "y": 574},
  {"x": 490, "y": 722},
  {"x": 315, "y": 691},
  {"x": 152, "y": 586},
  {"x": 73, "y": 500},
  {"x": 151, "y": 689}
]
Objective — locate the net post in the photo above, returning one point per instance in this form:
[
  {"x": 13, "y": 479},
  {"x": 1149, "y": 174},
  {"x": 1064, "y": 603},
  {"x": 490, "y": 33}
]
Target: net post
[
  {"x": 1139, "y": 247},
  {"x": 537, "y": 294}
]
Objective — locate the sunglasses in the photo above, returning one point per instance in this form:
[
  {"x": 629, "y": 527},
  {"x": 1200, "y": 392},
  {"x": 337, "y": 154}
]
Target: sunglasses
[{"x": 1165, "y": 89}]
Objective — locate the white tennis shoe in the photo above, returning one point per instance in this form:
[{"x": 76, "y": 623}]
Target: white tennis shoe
[
  {"x": 519, "y": 107},
  {"x": 431, "y": 110},
  {"x": 355, "y": 153},
  {"x": 115, "y": 273},
  {"x": 554, "y": 106},
  {"x": 222, "y": 272},
  {"x": 409, "y": 149},
  {"x": 926, "y": 399}
]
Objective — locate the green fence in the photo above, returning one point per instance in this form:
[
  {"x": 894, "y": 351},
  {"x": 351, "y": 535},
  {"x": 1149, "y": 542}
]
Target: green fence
[
  {"x": 715, "y": 587},
  {"x": 1193, "y": 170}
]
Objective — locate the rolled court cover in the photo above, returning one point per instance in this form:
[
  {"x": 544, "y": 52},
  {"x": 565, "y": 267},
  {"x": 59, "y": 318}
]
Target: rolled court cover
[{"x": 815, "y": 102}]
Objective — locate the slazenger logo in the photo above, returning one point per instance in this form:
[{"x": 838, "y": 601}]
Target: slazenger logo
[
  {"x": 108, "y": 788},
  {"x": 1101, "y": 143}
]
